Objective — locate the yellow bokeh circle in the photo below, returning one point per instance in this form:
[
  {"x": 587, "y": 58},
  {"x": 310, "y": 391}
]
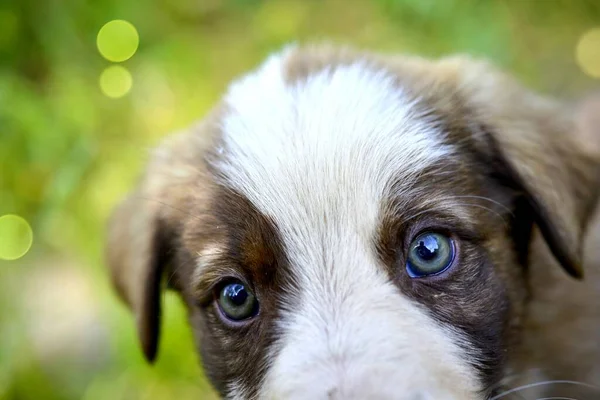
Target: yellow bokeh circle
[
  {"x": 115, "y": 81},
  {"x": 587, "y": 53},
  {"x": 117, "y": 40},
  {"x": 16, "y": 237}
]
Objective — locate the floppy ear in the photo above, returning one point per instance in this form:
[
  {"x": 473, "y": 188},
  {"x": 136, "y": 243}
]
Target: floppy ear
[
  {"x": 533, "y": 144},
  {"x": 137, "y": 251},
  {"x": 144, "y": 228}
]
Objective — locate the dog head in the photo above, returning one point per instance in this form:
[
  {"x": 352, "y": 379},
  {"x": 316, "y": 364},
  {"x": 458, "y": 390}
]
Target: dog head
[{"x": 352, "y": 225}]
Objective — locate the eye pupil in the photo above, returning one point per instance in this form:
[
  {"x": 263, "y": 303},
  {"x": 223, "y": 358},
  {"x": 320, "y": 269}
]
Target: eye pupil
[
  {"x": 236, "y": 293},
  {"x": 428, "y": 248}
]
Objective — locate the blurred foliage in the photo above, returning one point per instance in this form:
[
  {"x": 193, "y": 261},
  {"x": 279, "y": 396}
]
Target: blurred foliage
[{"x": 68, "y": 152}]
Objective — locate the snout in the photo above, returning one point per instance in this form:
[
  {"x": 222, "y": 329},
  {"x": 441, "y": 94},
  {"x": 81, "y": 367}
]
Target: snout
[
  {"x": 354, "y": 381},
  {"x": 375, "y": 344}
]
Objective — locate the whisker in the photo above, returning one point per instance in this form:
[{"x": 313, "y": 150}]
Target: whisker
[
  {"x": 488, "y": 209},
  {"x": 446, "y": 207},
  {"x": 556, "y": 398},
  {"x": 418, "y": 214},
  {"x": 504, "y": 384},
  {"x": 488, "y": 199},
  {"x": 536, "y": 384}
]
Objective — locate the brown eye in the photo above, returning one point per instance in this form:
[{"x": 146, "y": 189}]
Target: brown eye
[
  {"x": 430, "y": 253},
  {"x": 237, "y": 302}
]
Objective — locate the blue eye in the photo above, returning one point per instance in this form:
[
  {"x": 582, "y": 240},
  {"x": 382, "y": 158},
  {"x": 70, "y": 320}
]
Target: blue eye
[
  {"x": 429, "y": 254},
  {"x": 237, "y": 302}
]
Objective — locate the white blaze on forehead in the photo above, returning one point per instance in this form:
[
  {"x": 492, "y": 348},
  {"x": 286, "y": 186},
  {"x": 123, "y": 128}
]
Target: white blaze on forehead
[
  {"x": 319, "y": 156},
  {"x": 338, "y": 138}
]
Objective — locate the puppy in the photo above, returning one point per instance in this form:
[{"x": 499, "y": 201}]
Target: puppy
[{"x": 349, "y": 225}]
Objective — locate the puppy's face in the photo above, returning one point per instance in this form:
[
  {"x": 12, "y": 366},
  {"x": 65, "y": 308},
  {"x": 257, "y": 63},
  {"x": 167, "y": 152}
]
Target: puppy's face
[{"x": 348, "y": 225}]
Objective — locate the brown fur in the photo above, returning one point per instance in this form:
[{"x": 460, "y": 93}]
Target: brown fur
[
  {"x": 520, "y": 150},
  {"x": 251, "y": 252}
]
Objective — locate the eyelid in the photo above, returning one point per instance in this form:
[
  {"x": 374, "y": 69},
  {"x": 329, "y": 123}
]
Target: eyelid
[
  {"x": 444, "y": 221},
  {"x": 455, "y": 232}
]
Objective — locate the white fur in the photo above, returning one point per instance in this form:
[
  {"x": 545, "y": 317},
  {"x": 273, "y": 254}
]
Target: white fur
[{"x": 319, "y": 156}]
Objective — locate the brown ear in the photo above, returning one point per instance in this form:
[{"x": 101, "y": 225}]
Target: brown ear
[
  {"x": 137, "y": 250},
  {"x": 144, "y": 228},
  {"x": 535, "y": 144}
]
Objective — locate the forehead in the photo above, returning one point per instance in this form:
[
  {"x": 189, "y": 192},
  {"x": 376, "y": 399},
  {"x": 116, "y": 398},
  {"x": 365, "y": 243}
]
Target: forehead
[{"x": 333, "y": 144}]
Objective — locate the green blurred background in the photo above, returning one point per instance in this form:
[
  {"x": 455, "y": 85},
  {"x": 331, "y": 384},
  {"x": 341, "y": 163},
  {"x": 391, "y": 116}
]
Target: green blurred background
[{"x": 69, "y": 152}]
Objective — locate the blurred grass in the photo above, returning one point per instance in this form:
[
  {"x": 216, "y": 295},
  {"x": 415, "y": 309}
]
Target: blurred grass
[{"x": 68, "y": 153}]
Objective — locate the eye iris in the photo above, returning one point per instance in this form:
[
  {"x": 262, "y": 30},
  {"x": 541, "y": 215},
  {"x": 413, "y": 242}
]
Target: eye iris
[
  {"x": 430, "y": 253},
  {"x": 236, "y": 302}
]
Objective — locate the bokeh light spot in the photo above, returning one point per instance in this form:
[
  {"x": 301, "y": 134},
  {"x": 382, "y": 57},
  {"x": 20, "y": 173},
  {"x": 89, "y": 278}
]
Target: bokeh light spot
[
  {"x": 115, "y": 81},
  {"x": 117, "y": 40},
  {"x": 587, "y": 52},
  {"x": 16, "y": 237}
]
